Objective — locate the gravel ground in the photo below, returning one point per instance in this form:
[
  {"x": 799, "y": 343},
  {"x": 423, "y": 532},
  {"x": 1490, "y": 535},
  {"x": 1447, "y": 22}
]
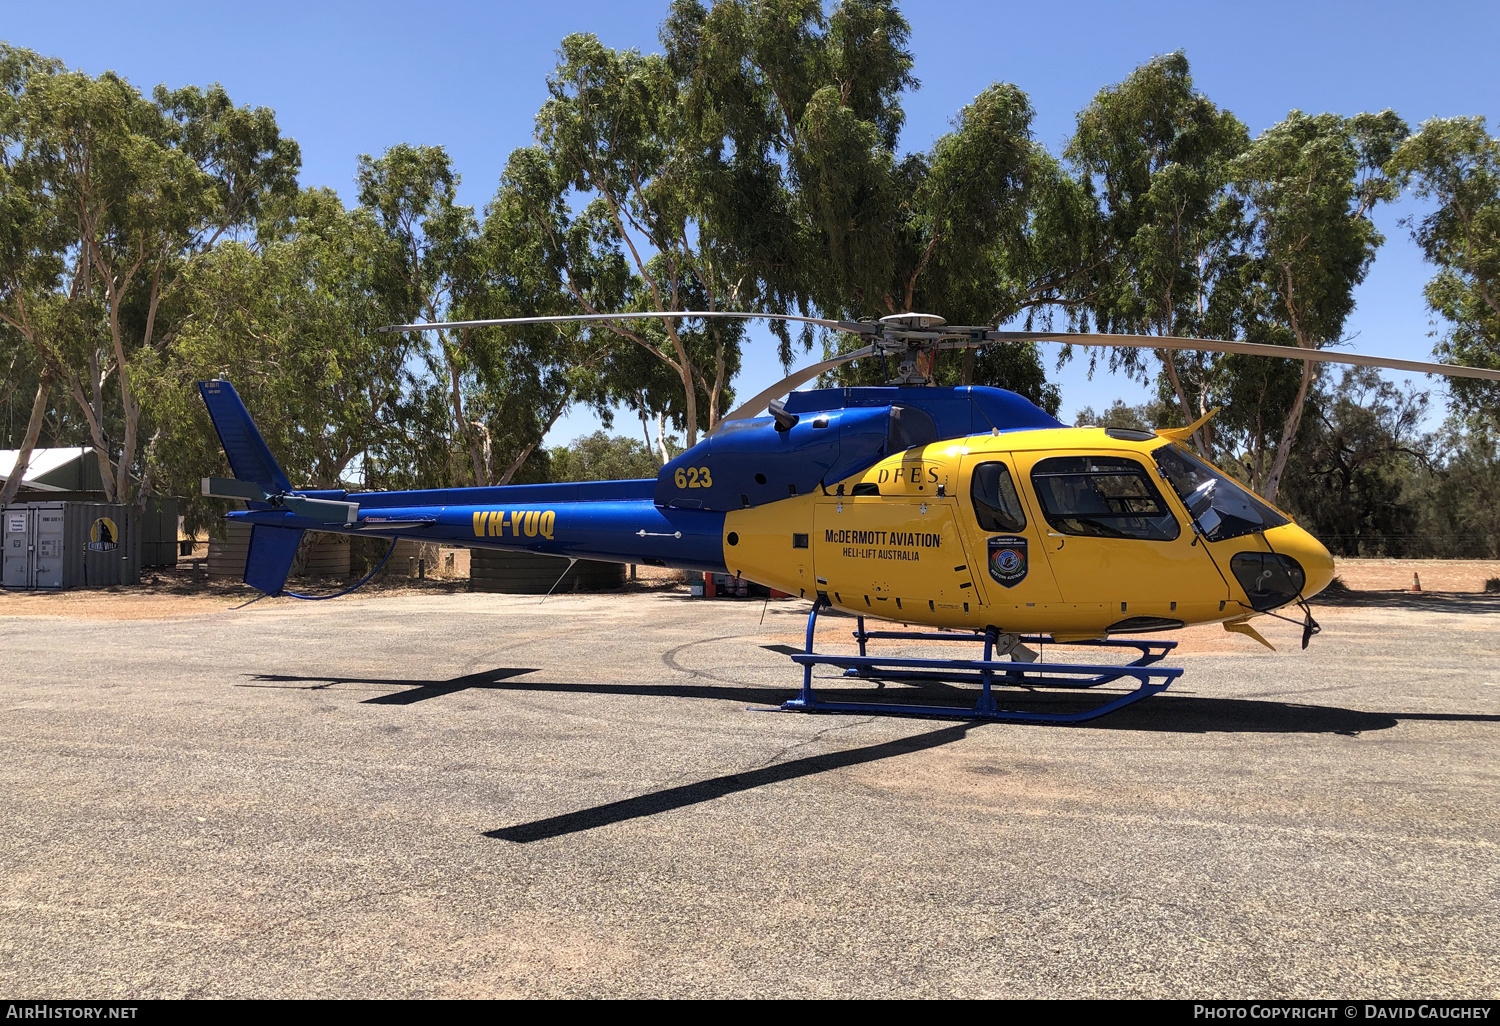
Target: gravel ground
[{"x": 435, "y": 794}]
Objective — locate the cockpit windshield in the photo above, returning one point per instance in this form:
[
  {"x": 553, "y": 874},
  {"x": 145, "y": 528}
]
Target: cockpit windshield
[{"x": 1221, "y": 507}]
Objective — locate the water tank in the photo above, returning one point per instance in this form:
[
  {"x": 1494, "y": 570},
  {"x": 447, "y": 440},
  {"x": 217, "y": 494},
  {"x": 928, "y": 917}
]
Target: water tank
[{"x": 530, "y": 573}]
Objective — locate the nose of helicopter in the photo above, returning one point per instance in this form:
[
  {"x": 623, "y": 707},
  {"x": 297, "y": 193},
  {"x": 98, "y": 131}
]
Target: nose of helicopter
[{"x": 1315, "y": 560}]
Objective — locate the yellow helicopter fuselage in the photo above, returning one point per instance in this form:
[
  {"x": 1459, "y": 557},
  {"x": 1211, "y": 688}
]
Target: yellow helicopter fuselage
[{"x": 1083, "y": 536}]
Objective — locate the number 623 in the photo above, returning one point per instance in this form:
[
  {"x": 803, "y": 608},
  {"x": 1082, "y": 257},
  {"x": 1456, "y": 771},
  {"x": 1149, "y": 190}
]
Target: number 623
[{"x": 693, "y": 477}]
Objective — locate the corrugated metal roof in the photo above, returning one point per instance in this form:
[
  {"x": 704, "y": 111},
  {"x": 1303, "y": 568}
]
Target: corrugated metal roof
[{"x": 43, "y": 461}]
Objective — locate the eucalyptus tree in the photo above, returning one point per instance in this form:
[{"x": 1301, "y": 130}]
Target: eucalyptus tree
[
  {"x": 1455, "y": 163},
  {"x": 796, "y": 111},
  {"x": 33, "y": 251},
  {"x": 1157, "y": 152},
  {"x": 611, "y": 138},
  {"x": 1360, "y": 448},
  {"x": 602, "y": 457},
  {"x": 289, "y": 315},
  {"x": 534, "y": 257},
  {"x": 1311, "y": 183},
  {"x": 985, "y": 227},
  {"x": 411, "y": 193},
  {"x": 830, "y": 218},
  {"x": 146, "y": 188}
]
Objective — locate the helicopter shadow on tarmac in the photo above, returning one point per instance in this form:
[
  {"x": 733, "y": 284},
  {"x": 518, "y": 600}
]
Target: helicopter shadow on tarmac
[
  {"x": 415, "y": 690},
  {"x": 1197, "y": 715},
  {"x": 1183, "y": 714},
  {"x": 1164, "y": 714}
]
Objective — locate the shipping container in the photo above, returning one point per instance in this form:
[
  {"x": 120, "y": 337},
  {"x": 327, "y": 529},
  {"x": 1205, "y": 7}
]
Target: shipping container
[{"x": 58, "y": 545}]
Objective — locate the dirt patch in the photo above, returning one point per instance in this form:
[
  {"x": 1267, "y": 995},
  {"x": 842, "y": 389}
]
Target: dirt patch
[
  {"x": 168, "y": 595},
  {"x": 135, "y": 603},
  {"x": 173, "y": 594},
  {"x": 1434, "y": 574}
]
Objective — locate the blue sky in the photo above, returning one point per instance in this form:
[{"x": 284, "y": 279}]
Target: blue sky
[{"x": 346, "y": 79}]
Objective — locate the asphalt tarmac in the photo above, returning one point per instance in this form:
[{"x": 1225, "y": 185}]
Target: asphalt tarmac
[{"x": 475, "y": 795}]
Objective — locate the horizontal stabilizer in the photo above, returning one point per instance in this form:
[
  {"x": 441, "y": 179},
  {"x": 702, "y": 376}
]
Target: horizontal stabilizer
[
  {"x": 272, "y": 550},
  {"x": 329, "y": 511}
]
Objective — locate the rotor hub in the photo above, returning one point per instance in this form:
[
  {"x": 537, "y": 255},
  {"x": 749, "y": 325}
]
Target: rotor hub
[{"x": 913, "y": 321}]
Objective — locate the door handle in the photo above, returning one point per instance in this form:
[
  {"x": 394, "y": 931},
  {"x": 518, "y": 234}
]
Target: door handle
[{"x": 1061, "y": 539}]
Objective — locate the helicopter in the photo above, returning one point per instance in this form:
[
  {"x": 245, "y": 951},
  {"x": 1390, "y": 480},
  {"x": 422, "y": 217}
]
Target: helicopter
[{"x": 962, "y": 514}]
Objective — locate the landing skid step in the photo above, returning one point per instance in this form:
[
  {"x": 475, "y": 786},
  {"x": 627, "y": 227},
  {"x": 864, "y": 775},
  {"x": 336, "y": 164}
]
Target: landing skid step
[{"x": 986, "y": 672}]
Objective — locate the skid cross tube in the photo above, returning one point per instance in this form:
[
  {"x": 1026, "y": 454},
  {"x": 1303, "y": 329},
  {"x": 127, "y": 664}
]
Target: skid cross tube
[
  {"x": 1150, "y": 651},
  {"x": 986, "y": 672}
]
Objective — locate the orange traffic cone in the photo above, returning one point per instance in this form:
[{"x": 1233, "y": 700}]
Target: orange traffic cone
[{"x": 1416, "y": 583}]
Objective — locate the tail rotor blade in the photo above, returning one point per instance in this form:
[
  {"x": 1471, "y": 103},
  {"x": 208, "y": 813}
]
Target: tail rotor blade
[{"x": 232, "y": 488}]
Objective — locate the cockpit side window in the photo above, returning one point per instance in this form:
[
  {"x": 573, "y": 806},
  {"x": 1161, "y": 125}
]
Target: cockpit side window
[
  {"x": 996, "y": 504},
  {"x": 909, "y": 426},
  {"x": 1220, "y": 506},
  {"x": 1103, "y": 497}
]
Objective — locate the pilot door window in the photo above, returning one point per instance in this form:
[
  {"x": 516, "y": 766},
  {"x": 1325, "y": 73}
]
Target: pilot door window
[
  {"x": 997, "y": 507},
  {"x": 1102, "y": 497}
]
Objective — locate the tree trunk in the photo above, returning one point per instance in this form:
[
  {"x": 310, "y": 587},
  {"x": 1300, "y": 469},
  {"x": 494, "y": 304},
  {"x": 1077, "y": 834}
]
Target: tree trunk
[
  {"x": 517, "y": 463},
  {"x": 460, "y": 422},
  {"x": 93, "y": 415},
  {"x": 28, "y": 442},
  {"x": 685, "y": 371},
  {"x": 520, "y": 461},
  {"x": 645, "y": 428},
  {"x": 1289, "y": 432},
  {"x": 129, "y": 408},
  {"x": 713, "y": 396},
  {"x": 1169, "y": 363}
]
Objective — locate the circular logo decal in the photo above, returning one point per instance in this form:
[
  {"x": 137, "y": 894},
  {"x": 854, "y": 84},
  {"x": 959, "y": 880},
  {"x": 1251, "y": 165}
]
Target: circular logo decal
[
  {"x": 1008, "y": 560},
  {"x": 104, "y": 536}
]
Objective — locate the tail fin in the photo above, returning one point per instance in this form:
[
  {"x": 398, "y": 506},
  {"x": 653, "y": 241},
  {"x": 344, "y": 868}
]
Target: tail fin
[
  {"x": 272, "y": 550},
  {"x": 249, "y": 458}
]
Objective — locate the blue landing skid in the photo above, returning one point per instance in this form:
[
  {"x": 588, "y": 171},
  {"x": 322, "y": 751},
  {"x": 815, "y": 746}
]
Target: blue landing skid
[{"x": 987, "y": 672}]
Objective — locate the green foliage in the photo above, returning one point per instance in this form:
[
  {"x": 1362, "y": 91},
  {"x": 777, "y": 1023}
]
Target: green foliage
[
  {"x": 1456, "y": 163},
  {"x": 613, "y": 129},
  {"x": 1356, "y": 481},
  {"x": 1158, "y": 153},
  {"x": 1366, "y": 482},
  {"x": 602, "y": 457},
  {"x": 1144, "y": 417},
  {"x": 1311, "y": 183},
  {"x": 144, "y": 187},
  {"x": 290, "y": 320},
  {"x": 1460, "y": 504}
]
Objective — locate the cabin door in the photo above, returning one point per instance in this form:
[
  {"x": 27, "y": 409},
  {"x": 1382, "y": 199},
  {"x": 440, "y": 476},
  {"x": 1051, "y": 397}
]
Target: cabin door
[
  {"x": 1005, "y": 542},
  {"x": 1114, "y": 542}
]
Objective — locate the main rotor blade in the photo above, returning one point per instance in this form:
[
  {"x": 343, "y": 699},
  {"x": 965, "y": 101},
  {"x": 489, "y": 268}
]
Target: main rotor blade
[
  {"x": 803, "y": 374},
  {"x": 854, "y": 327},
  {"x": 1209, "y": 345}
]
